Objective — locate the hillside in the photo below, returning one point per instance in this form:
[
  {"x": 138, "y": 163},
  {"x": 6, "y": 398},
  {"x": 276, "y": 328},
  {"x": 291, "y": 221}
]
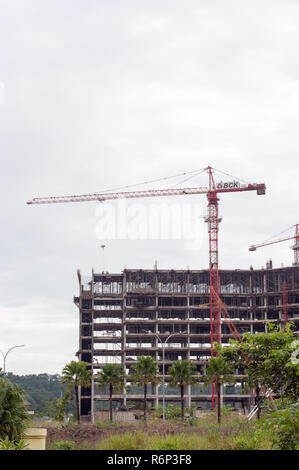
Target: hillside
[{"x": 42, "y": 390}]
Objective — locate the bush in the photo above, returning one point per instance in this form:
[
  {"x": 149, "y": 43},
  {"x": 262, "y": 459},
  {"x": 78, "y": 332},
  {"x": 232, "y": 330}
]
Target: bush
[
  {"x": 286, "y": 423},
  {"x": 193, "y": 421},
  {"x": 171, "y": 412},
  {"x": 244, "y": 444},
  {"x": 6, "y": 444},
  {"x": 282, "y": 427},
  {"x": 13, "y": 413},
  {"x": 63, "y": 445},
  {"x": 252, "y": 436},
  {"x": 101, "y": 424},
  {"x": 225, "y": 410}
]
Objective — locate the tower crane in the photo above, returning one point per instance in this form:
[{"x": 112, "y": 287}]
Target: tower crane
[
  {"x": 295, "y": 248},
  {"x": 212, "y": 219}
]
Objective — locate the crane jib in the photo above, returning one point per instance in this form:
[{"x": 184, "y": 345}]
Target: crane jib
[{"x": 260, "y": 188}]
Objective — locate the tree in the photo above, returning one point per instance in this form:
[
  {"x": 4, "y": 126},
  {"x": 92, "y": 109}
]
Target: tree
[
  {"x": 13, "y": 412},
  {"x": 42, "y": 391},
  {"x": 75, "y": 375},
  {"x": 266, "y": 358},
  {"x": 182, "y": 374},
  {"x": 218, "y": 372},
  {"x": 114, "y": 376},
  {"x": 144, "y": 372},
  {"x": 61, "y": 406}
]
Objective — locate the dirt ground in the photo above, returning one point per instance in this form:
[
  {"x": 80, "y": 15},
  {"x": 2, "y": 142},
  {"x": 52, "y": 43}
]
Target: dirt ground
[{"x": 92, "y": 434}]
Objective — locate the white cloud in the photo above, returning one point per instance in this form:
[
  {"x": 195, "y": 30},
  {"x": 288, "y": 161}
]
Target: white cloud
[
  {"x": 106, "y": 94},
  {"x": 49, "y": 331}
]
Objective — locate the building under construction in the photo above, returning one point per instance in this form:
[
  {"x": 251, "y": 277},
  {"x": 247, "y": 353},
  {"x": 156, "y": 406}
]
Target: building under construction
[
  {"x": 179, "y": 313},
  {"x": 123, "y": 316}
]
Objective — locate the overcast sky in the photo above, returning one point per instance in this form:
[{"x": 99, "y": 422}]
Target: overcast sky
[{"x": 103, "y": 94}]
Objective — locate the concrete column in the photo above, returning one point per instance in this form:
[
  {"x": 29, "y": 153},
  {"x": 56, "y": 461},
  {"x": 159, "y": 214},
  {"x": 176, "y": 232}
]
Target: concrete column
[
  {"x": 251, "y": 318},
  {"x": 124, "y": 336},
  {"x": 250, "y": 304},
  {"x": 188, "y": 337},
  {"x": 156, "y": 388},
  {"x": 280, "y": 313},
  {"x": 92, "y": 349},
  {"x": 265, "y": 300},
  {"x": 266, "y": 314},
  {"x": 157, "y": 343}
]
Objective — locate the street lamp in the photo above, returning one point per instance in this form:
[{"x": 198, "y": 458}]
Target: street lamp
[
  {"x": 5, "y": 355},
  {"x": 163, "y": 362}
]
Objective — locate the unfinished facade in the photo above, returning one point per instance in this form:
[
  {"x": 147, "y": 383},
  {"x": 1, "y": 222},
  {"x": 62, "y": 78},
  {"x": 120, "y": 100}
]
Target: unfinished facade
[{"x": 123, "y": 316}]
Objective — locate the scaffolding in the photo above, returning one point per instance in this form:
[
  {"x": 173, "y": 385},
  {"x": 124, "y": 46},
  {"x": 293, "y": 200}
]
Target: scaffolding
[{"x": 123, "y": 316}]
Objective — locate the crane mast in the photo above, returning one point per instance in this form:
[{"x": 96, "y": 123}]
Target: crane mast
[
  {"x": 296, "y": 245},
  {"x": 213, "y": 228}
]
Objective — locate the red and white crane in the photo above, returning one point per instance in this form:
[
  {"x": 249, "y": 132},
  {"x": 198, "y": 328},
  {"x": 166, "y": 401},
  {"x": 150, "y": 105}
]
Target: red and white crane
[
  {"x": 295, "y": 247},
  {"x": 212, "y": 191}
]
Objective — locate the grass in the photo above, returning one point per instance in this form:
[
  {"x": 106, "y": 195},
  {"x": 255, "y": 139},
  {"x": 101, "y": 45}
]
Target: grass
[
  {"x": 234, "y": 433},
  {"x": 106, "y": 424},
  {"x": 212, "y": 440}
]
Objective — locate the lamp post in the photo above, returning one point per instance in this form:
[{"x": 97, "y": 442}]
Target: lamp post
[
  {"x": 5, "y": 355},
  {"x": 163, "y": 362}
]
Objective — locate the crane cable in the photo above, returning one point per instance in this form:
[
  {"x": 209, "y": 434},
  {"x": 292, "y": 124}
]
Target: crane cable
[
  {"x": 152, "y": 181},
  {"x": 277, "y": 235}
]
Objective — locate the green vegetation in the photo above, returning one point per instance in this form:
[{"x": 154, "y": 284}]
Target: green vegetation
[
  {"x": 6, "y": 444},
  {"x": 112, "y": 375},
  {"x": 144, "y": 372},
  {"x": 219, "y": 372},
  {"x": 61, "y": 405},
  {"x": 63, "y": 445},
  {"x": 275, "y": 430},
  {"x": 212, "y": 438},
  {"x": 13, "y": 412},
  {"x": 182, "y": 374},
  {"x": 75, "y": 375},
  {"x": 104, "y": 424},
  {"x": 172, "y": 412},
  {"x": 266, "y": 359},
  {"x": 42, "y": 392},
  {"x": 284, "y": 425}
]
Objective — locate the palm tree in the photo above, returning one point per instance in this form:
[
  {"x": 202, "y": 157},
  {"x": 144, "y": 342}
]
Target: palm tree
[
  {"x": 75, "y": 375},
  {"x": 13, "y": 413},
  {"x": 182, "y": 374},
  {"x": 218, "y": 372},
  {"x": 145, "y": 371},
  {"x": 114, "y": 376}
]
